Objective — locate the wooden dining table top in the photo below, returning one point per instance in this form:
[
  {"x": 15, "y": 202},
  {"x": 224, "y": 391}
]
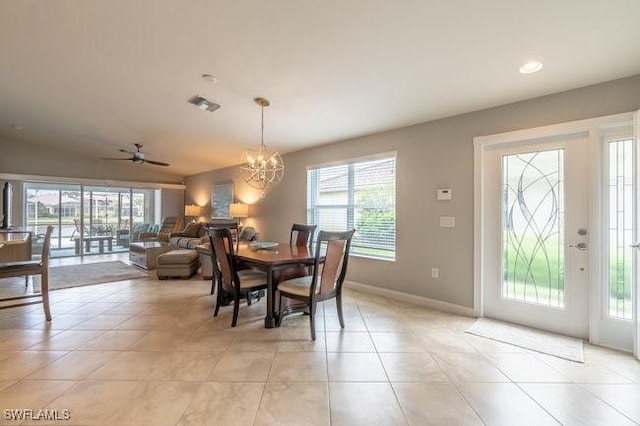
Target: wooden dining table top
[{"x": 282, "y": 254}]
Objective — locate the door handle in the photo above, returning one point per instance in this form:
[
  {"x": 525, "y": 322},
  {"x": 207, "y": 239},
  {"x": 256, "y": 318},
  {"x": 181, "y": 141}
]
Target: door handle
[
  {"x": 635, "y": 245},
  {"x": 579, "y": 246}
]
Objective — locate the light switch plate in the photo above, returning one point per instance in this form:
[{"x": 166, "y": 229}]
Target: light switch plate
[{"x": 447, "y": 221}]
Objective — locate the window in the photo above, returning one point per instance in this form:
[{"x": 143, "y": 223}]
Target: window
[
  {"x": 359, "y": 195},
  {"x": 621, "y": 222}
]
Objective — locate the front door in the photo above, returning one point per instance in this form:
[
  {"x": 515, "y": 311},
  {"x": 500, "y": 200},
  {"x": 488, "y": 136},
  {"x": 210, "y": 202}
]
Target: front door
[{"x": 537, "y": 235}]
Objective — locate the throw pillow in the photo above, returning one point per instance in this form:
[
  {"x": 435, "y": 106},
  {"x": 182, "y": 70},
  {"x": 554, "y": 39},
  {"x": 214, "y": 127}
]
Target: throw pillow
[{"x": 191, "y": 230}]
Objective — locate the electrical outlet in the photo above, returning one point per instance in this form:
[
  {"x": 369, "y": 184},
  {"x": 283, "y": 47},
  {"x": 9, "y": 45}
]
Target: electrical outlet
[{"x": 435, "y": 273}]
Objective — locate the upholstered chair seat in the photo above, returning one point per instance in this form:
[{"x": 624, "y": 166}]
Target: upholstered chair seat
[{"x": 299, "y": 286}]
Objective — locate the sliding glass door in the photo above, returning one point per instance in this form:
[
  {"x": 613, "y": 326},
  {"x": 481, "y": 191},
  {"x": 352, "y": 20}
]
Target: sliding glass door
[
  {"x": 57, "y": 205},
  {"x": 88, "y": 219}
]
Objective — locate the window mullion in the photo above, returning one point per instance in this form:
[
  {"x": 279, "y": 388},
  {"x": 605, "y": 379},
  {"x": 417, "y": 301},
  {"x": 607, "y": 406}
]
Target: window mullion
[{"x": 351, "y": 196}]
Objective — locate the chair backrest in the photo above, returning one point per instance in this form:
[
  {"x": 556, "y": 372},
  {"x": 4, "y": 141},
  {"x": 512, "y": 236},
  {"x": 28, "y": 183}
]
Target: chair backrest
[
  {"x": 46, "y": 245},
  {"x": 329, "y": 275},
  {"x": 221, "y": 242},
  {"x": 140, "y": 227},
  {"x": 170, "y": 224},
  {"x": 302, "y": 235},
  {"x": 232, "y": 225},
  {"x": 248, "y": 233}
]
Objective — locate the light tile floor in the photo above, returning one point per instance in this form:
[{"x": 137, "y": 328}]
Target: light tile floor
[{"x": 150, "y": 352}]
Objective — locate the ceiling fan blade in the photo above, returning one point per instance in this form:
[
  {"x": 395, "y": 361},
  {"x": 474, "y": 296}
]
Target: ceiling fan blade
[
  {"x": 157, "y": 163},
  {"x": 123, "y": 159}
]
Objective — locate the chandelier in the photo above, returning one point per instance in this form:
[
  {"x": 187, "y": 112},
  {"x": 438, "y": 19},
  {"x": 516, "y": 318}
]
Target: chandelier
[{"x": 262, "y": 166}]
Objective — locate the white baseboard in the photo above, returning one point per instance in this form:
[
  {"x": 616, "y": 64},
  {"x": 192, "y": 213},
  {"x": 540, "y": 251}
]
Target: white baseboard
[{"x": 412, "y": 298}]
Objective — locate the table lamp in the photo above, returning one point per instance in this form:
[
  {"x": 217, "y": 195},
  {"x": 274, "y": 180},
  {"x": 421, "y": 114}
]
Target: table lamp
[{"x": 192, "y": 211}]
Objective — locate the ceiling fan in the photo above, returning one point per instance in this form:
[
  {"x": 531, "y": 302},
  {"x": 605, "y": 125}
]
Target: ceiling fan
[{"x": 138, "y": 157}]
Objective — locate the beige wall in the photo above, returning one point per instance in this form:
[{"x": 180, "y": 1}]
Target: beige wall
[
  {"x": 22, "y": 158},
  {"x": 432, "y": 155}
]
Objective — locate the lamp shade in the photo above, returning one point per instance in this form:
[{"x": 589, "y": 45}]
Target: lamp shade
[
  {"x": 239, "y": 210},
  {"x": 192, "y": 210}
]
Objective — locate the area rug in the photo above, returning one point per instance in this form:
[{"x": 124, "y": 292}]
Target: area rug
[
  {"x": 540, "y": 341},
  {"x": 88, "y": 274}
]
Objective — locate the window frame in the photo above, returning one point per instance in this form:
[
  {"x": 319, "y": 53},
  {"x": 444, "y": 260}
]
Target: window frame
[{"x": 313, "y": 208}]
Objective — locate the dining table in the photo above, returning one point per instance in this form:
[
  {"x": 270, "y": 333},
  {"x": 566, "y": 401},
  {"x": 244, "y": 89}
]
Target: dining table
[{"x": 271, "y": 257}]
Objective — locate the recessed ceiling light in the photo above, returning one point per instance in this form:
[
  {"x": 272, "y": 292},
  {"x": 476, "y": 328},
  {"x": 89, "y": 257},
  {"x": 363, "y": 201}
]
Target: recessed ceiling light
[
  {"x": 209, "y": 78},
  {"x": 531, "y": 67}
]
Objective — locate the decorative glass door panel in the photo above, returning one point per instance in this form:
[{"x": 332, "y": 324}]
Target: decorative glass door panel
[
  {"x": 537, "y": 257},
  {"x": 621, "y": 228},
  {"x": 533, "y": 227}
]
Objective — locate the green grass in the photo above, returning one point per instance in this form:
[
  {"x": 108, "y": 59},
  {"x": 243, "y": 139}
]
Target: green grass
[
  {"x": 530, "y": 265},
  {"x": 542, "y": 281}
]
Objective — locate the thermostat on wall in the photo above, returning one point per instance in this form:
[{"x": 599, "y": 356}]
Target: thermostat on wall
[{"x": 444, "y": 194}]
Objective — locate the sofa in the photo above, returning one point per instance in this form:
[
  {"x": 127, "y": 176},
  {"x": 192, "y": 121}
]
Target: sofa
[
  {"x": 192, "y": 235},
  {"x": 169, "y": 224}
]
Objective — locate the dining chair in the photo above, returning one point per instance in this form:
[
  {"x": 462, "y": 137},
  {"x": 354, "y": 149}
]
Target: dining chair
[
  {"x": 31, "y": 267},
  {"x": 302, "y": 235},
  {"x": 233, "y": 227},
  {"x": 325, "y": 282},
  {"x": 231, "y": 281}
]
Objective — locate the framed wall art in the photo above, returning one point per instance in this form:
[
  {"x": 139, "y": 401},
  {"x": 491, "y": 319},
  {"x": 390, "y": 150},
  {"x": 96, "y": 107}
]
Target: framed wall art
[{"x": 221, "y": 199}]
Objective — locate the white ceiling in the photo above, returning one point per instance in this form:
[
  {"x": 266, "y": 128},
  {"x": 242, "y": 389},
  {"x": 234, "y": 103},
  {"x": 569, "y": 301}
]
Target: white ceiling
[{"x": 96, "y": 76}]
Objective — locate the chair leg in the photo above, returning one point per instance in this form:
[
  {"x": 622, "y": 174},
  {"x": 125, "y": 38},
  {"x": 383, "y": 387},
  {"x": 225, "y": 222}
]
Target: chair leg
[
  {"x": 45, "y": 294},
  {"x": 312, "y": 320},
  {"x": 213, "y": 283},
  {"x": 278, "y": 310},
  {"x": 248, "y": 298},
  {"x": 218, "y": 301},
  {"x": 339, "y": 306},
  {"x": 26, "y": 281},
  {"x": 236, "y": 308}
]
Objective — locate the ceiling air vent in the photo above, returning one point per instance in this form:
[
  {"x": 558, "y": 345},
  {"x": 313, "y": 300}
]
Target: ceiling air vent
[{"x": 204, "y": 104}]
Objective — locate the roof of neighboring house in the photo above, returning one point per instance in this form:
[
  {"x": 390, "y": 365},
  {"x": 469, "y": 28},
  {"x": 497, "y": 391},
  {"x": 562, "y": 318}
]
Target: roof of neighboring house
[
  {"x": 52, "y": 199},
  {"x": 377, "y": 173}
]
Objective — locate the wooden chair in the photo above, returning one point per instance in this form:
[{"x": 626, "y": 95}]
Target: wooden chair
[
  {"x": 325, "y": 282},
  {"x": 237, "y": 284},
  {"x": 301, "y": 236},
  {"x": 233, "y": 227},
  {"x": 31, "y": 267}
]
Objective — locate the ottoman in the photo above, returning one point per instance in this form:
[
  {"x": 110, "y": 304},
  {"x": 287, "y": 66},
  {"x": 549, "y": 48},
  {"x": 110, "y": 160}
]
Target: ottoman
[{"x": 177, "y": 263}]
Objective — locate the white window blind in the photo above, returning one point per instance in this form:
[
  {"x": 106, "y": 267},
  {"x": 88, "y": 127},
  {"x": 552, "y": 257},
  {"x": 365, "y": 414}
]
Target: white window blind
[{"x": 360, "y": 195}]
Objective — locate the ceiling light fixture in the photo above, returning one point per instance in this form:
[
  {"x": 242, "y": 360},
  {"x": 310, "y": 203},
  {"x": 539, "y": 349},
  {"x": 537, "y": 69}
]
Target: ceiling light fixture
[
  {"x": 209, "y": 78},
  {"x": 204, "y": 104},
  {"x": 262, "y": 166},
  {"x": 531, "y": 67}
]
